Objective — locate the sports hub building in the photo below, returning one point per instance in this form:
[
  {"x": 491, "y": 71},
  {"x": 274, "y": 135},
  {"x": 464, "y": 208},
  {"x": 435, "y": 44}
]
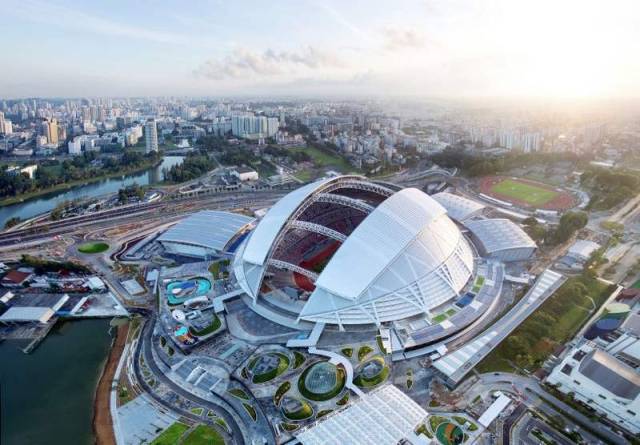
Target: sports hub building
[{"x": 349, "y": 252}]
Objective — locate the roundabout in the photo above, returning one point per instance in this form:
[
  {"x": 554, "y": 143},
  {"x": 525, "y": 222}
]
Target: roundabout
[{"x": 93, "y": 247}]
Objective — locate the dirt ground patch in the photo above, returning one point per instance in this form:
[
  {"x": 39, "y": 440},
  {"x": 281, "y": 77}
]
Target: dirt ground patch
[{"x": 102, "y": 423}]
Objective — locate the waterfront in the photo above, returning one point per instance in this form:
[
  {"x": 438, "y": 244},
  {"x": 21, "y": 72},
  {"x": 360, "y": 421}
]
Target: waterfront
[
  {"x": 47, "y": 396},
  {"x": 45, "y": 203}
]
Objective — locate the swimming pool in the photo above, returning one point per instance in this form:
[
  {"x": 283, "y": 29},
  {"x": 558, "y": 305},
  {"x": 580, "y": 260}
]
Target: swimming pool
[{"x": 179, "y": 291}]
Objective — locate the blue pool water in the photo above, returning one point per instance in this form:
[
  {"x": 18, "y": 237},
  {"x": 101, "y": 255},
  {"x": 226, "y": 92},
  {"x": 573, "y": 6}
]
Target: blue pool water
[{"x": 180, "y": 291}]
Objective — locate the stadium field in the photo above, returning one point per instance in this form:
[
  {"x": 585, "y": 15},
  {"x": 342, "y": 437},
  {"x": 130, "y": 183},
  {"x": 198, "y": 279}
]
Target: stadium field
[{"x": 527, "y": 192}]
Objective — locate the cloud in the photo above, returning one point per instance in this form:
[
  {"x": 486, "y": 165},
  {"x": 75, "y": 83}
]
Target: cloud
[
  {"x": 249, "y": 64},
  {"x": 401, "y": 38},
  {"x": 49, "y": 14}
]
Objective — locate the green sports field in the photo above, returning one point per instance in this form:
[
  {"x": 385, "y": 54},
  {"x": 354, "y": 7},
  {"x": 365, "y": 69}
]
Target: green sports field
[{"x": 525, "y": 192}]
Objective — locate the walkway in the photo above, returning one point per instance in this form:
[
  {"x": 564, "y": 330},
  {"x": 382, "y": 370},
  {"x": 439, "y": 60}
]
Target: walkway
[
  {"x": 338, "y": 359},
  {"x": 457, "y": 364}
]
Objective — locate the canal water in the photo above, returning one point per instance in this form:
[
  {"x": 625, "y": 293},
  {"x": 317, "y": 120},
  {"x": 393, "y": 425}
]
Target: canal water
[
  {"x": 47, "y": 396},
  {"x": 45, "y": 203}
]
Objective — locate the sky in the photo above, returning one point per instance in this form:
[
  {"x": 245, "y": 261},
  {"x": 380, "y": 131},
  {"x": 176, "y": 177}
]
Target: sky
[{"x": 282, "y": 48}]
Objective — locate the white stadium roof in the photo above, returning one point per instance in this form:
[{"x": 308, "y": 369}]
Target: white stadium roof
[
  {"x": 384, "y": 416},
  {"x": 404, "y": 258},
  {"x": 458, "y": 207},
  {"x": 264, "y": 235},
  {"x": 500, "y": 234},
  {"x": 209, "y": 228}
]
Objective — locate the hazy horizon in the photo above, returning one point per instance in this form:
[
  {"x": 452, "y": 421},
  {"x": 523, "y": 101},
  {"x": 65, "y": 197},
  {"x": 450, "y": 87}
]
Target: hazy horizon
[{"x": 451, "y": 50}]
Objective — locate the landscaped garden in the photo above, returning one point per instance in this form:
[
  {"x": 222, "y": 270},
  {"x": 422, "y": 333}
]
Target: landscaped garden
[
  {"x": 239, "y": 393},
  {"x": 552, "y": 325},
  {"x": 297, "y": 409},
  {"x": 371, "y": 373},
  {"x": 281, "y": 391},
  {"x": 364, "y": 351},
  {"x": 213, "y": 327},
  {"x": 321, "y": 381},
  {"x": 268, "y": 366}
]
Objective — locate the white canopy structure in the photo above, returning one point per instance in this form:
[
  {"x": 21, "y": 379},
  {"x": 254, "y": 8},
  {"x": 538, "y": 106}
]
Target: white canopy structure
[
  {"x": 458, "y": 207},
  {"x": 204, "y": 233},
  {"x": 502, "y": 239},
  {"x": 384, "y": 416},
  {"x": 399, "y": 254}
]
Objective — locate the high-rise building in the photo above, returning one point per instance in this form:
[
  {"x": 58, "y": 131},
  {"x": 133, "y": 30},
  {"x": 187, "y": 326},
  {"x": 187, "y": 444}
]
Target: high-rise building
[
  {"x": 49, "y": 129},
  {"x": 151, "y": 135},
  {"x": 75, "y": 146},
  {"x": 532, "y": 142},
  {"x": 5, "y": 125},
  {"x": 253, "y": 127}
]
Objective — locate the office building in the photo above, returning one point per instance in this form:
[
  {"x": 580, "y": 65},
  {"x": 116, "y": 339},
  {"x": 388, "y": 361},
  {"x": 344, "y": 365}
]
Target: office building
[{"x": 151, "y": 135}]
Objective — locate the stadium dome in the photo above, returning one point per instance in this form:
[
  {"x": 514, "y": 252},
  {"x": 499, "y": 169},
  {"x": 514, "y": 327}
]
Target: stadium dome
[{"x": 346, "y": 250}]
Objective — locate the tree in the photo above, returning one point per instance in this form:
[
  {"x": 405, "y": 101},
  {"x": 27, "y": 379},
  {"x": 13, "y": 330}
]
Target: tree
[{"x": 12, "y": 222}]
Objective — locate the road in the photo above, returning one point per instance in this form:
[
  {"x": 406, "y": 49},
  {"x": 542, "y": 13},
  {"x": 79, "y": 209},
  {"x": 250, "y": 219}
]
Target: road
[
  {"x": 532, "y": 394},
  {"x": 126, "y": 215},
  {"x": 222, "y": 408}
]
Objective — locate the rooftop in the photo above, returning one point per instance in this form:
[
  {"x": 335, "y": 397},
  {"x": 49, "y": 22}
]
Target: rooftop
[
  {"x": 458, "y": 207},
  {"x": 208, "y": 228},
  {"x": 384, "y": 416},
  {"x": 612, "y": 374},
  {"x": 500, "y": 234}
]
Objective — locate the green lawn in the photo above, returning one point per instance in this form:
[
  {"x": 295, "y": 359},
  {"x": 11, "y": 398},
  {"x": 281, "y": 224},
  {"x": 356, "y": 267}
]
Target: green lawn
[
  {"x": 213, "y": 327},
  {"x": 324, "y": 159},
  {"x": 364, "y": 351},
  {"x": 553, "y": 324},
  {"x": 363, "y": 382},
  {"x": 304, "y": 412},
  {"x": 528, "y": 193},
  {"x": 93, "y": 247},
  {"x": 203, "y": 435},
  {"x": 348, "y": 352},
  {"x": 171, "y": 435},
  {"x": 237, "y": 392},
  {"x": 440, "y": 317},
  {"x": 304, "y": 175},
  {"x": 283, "y": 365},
  {"x": 299, "y": 359},
  {"x": 281, "y": 391},
  {"x": 250, "y": 410}
]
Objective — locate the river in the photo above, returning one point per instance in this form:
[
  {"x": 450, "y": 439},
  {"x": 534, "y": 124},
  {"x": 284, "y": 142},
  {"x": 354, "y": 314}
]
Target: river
[
  {"x": 47, "y": 396},
  {"x": 45, "y": 203}
]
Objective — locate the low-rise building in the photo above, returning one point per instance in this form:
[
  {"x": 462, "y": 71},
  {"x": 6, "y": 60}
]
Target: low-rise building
[
  {"x": 601, "y": 380},
  {"x": 245, "y": 174}
]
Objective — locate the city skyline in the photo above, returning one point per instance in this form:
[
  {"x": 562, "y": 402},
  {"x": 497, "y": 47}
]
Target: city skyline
[{"x": 418, "y": 48}]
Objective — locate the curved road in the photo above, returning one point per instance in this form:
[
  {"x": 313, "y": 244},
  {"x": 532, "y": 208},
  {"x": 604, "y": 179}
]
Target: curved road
[
  {"x": 534, "y": 394},
  {"x": 221, "y": 409}
]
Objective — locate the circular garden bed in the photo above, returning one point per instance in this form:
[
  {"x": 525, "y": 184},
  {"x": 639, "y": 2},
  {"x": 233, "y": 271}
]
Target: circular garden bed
[
  {"x": 268, "y": 366},
  {"x": 296, "y": 409},
  {"x": 372, "y": 372},
  {"x": 321, "y": 381}
]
